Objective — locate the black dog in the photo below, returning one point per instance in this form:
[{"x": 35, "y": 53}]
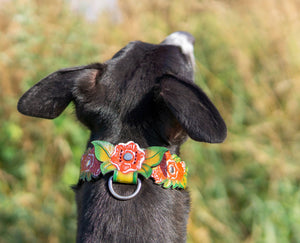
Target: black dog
[{"x": 146, "y": 94}]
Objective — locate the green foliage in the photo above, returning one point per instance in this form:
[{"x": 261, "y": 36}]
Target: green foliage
[{"x": 247, "y": 61}]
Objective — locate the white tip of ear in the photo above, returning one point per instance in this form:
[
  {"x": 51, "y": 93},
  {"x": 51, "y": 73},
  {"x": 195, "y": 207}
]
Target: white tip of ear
[{"x": 184, "y": 40}]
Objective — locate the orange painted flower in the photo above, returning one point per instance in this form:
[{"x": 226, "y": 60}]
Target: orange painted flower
[
  {"x": 171, "y": 172},
  {"x": 128, "y": 157},
  {"x": 127, "y": 160}
]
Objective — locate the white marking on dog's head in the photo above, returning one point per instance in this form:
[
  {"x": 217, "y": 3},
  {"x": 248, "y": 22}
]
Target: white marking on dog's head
[{"x": 185, "y": 41}]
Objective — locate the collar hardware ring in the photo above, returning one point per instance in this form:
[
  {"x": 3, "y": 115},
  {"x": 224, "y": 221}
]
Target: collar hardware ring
[{"x": 120, "y": 197}]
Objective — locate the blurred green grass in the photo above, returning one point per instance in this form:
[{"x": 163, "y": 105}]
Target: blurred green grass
[{"x": 247, "y": 56}]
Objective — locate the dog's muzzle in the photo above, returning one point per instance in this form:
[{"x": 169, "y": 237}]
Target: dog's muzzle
[{"x": 185, "y": 41}]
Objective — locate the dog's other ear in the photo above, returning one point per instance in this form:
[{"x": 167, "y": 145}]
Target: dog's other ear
[
  {"x": 50, "y": 96},
  {"x": 193, "y": 109}
]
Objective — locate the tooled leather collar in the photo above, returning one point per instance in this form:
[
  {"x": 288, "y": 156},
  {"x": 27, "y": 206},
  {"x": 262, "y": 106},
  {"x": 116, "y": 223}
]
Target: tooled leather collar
[{"x": 127, "y": 160}]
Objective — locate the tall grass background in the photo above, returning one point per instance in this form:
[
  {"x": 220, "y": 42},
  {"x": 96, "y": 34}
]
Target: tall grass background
[{"x": 247, "y": 61}]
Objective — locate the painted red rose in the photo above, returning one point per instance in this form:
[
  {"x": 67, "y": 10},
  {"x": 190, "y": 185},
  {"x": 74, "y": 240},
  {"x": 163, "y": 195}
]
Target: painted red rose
[
  {"x": 159, "y": 173},
  {"x": 127, "y": 157},
  {"x": 89, "y": 163}
]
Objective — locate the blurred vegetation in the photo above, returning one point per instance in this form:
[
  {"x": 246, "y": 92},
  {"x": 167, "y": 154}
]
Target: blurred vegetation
[{"x": 248, "y": 62}]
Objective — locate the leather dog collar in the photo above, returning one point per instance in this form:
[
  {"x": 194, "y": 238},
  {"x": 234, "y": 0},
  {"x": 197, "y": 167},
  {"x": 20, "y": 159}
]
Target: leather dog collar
[{"x": 127, "y": 160}]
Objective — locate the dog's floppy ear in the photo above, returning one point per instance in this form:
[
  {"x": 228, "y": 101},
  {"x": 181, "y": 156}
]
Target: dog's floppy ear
[
  {"x": 193, "y": 109},
  {"x": 49, "y": 97}
]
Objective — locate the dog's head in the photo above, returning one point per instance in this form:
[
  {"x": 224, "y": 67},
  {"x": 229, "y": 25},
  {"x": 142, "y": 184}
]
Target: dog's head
[{"x": 144, "y": 93}]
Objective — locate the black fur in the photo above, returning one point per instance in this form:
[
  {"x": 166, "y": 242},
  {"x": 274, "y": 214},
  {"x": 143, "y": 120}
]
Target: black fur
[{"x": 146, "y": 94}]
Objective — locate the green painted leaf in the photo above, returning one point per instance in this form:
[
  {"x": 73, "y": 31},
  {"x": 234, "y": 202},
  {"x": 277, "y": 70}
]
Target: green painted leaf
[
  {"x": 167, "y": 183},
  {"x": 82, "y": 177},
  {"x": 145, "y": 171},
  {"x": 181, "y": 186},
  {"x": 154, "y": 155},
  {"x": 175, "y": 184},
  {"x": 103, "y": 150},
  {"x": 107, "y": 167},
  {"x": 86, "y": 176},
  {"x": 176, "y": 158}
]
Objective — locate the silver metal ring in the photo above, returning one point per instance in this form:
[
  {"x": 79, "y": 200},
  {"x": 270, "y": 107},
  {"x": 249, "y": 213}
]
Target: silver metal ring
[{"x": 116, "y": 195}]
